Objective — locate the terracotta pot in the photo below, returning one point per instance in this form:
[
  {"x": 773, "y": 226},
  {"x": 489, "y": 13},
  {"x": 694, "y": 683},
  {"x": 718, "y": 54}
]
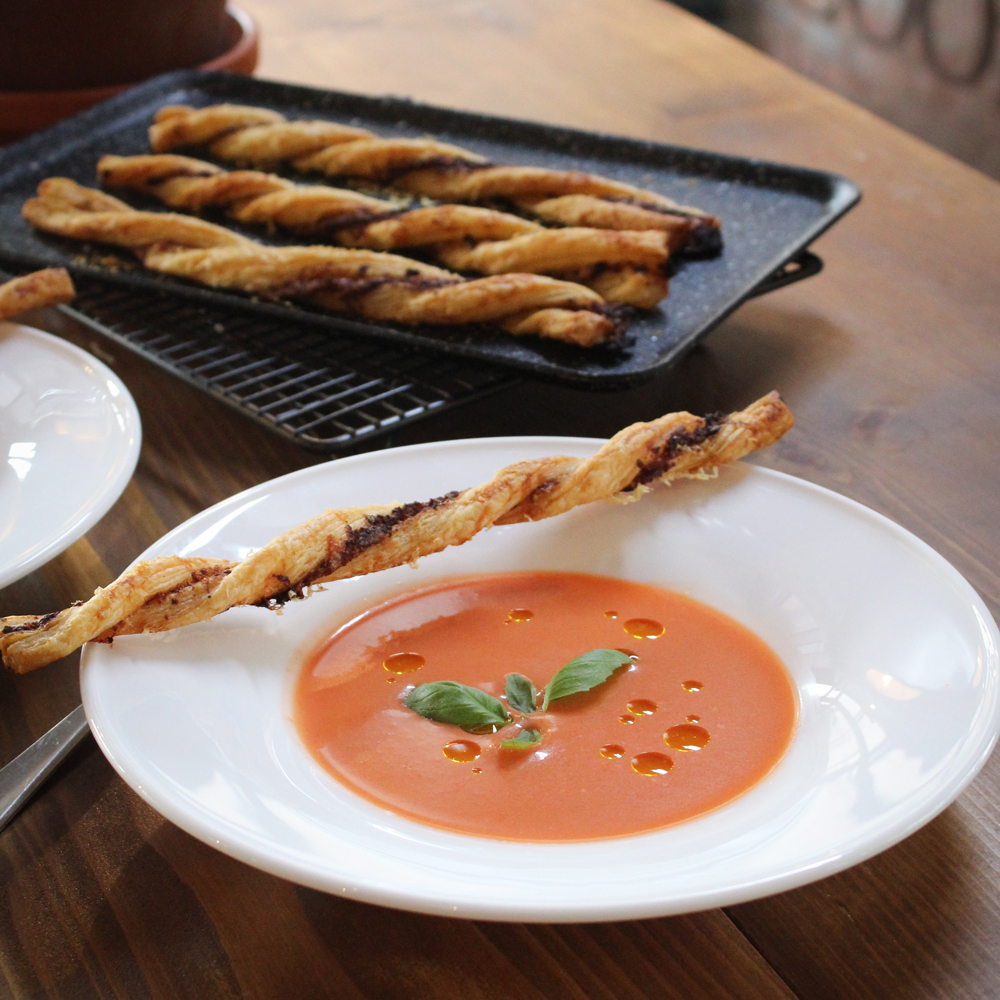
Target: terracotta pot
[{"x": 26, "y": 111}]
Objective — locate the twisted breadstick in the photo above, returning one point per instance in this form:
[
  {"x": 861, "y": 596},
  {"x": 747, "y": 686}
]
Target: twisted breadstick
[
  {"x": 364, "y": 283},
  {"x": 49, "y": 287},
  {"x": 169, "y": 592},
  {"x": 462, "y": 237},
  {"x": 422, "y": 166}
]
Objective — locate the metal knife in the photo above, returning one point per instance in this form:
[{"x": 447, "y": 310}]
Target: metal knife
[{"x": 20, "y": 779}]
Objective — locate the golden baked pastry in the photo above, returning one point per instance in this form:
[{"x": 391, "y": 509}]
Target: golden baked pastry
[
  {"x": 257, "y": 136},
  {"x": 170, "y": 592},
  {"x": 365, "y": 283},
  {"x": 628, "y": 265},
  {"x": 49, "y": 287}
]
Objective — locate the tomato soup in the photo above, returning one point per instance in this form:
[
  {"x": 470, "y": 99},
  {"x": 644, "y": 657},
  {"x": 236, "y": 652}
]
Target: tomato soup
[{"x": 701, "y": 712}]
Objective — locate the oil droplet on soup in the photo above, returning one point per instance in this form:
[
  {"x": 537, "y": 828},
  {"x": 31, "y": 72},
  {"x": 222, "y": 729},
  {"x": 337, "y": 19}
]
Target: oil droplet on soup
[
  {"x": 626, "y": 720},
  {"x": 643, "y": 628},
  {"x": 610, "y": 614},
  {"x": 641, "y": 706},
  {"x": 686, "y": 738},
  {"x": 692, "y": 685},
  {"x": 403, "y": 663},
  {"x": 520, "y": 615},
  {"x": 613, "y": 751},
  {"x": 462, "y": 751},
  {"x": 693, "y": 718},
  {"x": 486, "y": 730},
  {"x": 652, "y": 764}
]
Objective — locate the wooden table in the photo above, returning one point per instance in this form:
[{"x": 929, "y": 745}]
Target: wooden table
[{"x": 890, "y": 360}]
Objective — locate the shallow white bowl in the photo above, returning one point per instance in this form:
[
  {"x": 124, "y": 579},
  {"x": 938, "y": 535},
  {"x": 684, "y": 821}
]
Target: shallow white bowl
[
  {"x": 69, "y": 442},
  {"x": 893, "y": 654}
]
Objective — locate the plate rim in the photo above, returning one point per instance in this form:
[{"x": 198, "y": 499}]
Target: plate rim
[
  {"x": 125, "y": 462},
  {"x": 252, "y": 850}
]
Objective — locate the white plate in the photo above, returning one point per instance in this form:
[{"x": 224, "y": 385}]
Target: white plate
[
  {"x": 69, "y": 441},
  {"x": 893, "y": 654}
]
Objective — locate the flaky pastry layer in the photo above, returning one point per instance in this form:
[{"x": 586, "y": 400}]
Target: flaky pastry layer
[
  {"x": 629, "y": 265},
  {"x": 365, "y": 283},
  {"x": 50, "y": 287},
  {"x": 170, "y": 592},
  {"x": 258, "y": 136}
]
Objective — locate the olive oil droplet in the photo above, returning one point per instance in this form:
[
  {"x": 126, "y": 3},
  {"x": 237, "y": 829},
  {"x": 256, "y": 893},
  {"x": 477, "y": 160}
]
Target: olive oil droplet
[
  {"x": 390, "y": 680},
  {"x": 613, "y": 751},
  {"x": 693, "y": 718},
  {"x": 652, "y": 764},
  {"x": 641, "y": 706},
  {"x": 692, "y": 685},
  {"x": 610, "y": 614},
  {"x": 462, "y": 751},
  {"x": 403, "y": 663},
  {"x": 626, "y": 720},
  {"x": 633, "y": 656},
  {"x": 477, "y": 770},
  {"x": 643, "y": 628},
  {"x": 520, "y": 615},
  {"x": 686, "y": 738}
]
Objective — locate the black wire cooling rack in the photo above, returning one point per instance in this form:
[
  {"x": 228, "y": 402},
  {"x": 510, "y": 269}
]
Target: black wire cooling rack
[{"x": 322, "y": 391}]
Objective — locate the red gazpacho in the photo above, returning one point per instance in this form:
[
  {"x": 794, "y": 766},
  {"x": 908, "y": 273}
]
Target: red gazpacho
[{"x": 691, "y": 710}]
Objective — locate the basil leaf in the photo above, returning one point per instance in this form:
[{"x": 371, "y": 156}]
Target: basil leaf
[
  {"x": 521, "y": 694},
  {"x": 449, "y": 701},
  {"x": 582, "y": 673},
  {"x": 525, "y": 740}
]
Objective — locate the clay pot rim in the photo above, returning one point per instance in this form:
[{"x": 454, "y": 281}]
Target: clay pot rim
[{"x": 240, "y": 57}]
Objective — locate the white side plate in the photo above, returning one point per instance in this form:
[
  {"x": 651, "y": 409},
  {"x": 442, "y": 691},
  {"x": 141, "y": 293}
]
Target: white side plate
[
  {"x": 69, "y": 441},
  {"x": 893, "y": 654}
]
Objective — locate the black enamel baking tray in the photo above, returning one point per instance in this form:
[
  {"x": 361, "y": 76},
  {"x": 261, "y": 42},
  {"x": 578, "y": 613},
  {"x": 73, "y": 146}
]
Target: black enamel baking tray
[{"x": 770, "y": 214}]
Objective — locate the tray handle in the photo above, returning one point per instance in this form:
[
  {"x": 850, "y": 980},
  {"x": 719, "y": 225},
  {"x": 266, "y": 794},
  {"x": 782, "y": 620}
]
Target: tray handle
[{"x": 804, "y": 264}]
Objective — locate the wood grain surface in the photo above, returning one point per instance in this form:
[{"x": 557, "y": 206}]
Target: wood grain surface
[{"x": 889, "y": 360}]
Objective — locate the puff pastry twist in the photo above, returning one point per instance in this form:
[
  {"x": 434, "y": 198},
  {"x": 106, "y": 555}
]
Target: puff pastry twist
[
  {"x": 624, "y": 267},
  {"x": 169, "y": 592},
  {"x": 49, "y": 287},
  {"x": 365, "y": 283},
  {"x": 247, "y": 135}
]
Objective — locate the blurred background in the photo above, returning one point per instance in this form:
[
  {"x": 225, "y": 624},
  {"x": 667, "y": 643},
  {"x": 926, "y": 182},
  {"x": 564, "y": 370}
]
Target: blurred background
[{"x": 929, "y": 66}]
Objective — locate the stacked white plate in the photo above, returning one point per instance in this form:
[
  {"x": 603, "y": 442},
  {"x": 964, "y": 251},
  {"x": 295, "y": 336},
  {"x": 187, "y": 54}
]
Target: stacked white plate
[{"x": 69, "y": 442}]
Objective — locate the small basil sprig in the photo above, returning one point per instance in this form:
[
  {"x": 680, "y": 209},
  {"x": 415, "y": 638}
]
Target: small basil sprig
[
  {"x": 470, "y": 708},
  {"x": 525, "y": 740},
  {"x": 582, "y": 673},
  {"x": 521, "y": 694},
  {"x": 457, "y": 704}
]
